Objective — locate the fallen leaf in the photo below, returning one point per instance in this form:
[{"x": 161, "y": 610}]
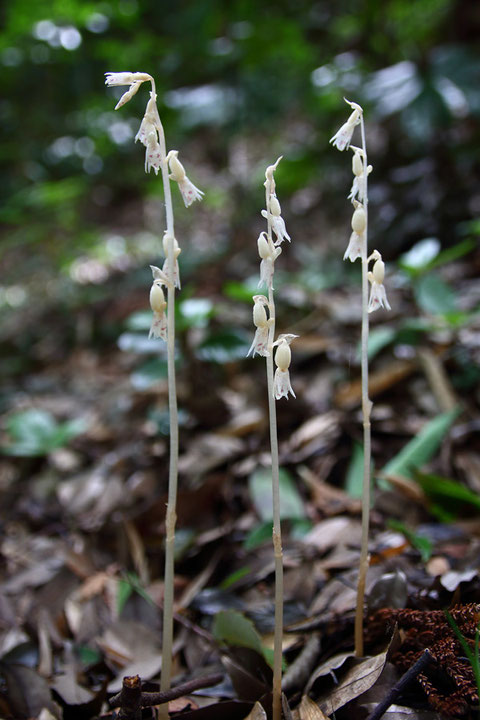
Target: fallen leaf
[
  {"x": 309, "y": 710},
  {"x": 358, "y": 678}
]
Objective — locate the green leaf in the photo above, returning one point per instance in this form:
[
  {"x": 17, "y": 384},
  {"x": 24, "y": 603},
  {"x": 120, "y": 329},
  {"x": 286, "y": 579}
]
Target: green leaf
[
  {"x": 139, "y": 321},
  {"x": 446, "y": 490},
  {"x": 36, "y": 432},
  {"x": 149, "y": 374},
  {"x": 354, "y": 477},
  {"x": 260, "y": 488},
  {"x": 258, "y": 536},
  {"x": 423, "y": 544},
  {"x": 420, "y": 255},
  {"x": 194, "y": 313},
  {"x": 234, "y": 577},
  {"x": 223, "y": 346},
  {"x": 378, "y": 339},
  {"x": 128, "y": 585},
  {"x": 454, "y": 253},
  {"x": 241, "y": 292},
  {"x": 233, "y": 628},
  {"x": 433, "y": 295},
  {"x": 422, "y": 448}
]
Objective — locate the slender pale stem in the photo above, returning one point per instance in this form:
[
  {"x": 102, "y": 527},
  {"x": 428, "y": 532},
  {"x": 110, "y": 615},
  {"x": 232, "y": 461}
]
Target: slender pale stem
[
  {"x": 366, "y": 409},
  {"x": 167, "y": 642},
  {"x": 277, "y": 531}
]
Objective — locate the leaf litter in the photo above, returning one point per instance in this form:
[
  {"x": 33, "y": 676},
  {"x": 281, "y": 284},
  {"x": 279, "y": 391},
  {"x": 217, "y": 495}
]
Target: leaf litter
[{"x": 82, "y": 530}]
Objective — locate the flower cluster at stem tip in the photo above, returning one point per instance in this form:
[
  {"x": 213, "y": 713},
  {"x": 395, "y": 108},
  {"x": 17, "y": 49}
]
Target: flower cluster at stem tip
[
  {"x": 151, "y": 135},
  {"x": 269, "y": 250},
  {"x": 357, "y": 246}
]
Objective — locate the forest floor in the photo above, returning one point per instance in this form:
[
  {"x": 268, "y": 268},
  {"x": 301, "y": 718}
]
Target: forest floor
[{"x": 83, "y": 483}]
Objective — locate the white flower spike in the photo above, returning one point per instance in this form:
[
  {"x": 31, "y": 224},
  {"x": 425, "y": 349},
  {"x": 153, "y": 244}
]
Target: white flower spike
[
  {"x": 281, "y": 382},
  {"x": 189, "y": 191},
  {"x": 378, "y": 295},
  {"x": 262, "y": 323}
]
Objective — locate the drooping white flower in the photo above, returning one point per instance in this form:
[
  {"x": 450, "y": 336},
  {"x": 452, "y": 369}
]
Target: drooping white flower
[
  {"x": 176, "y": 252},
  {"x": 148, "y": 124},
  {"x": 188, "y": 190},
  {"x": 126, "y": 78},
  {"x": 158, "y": 328},
  {"x": 262, "y": 323},
  {"x": 378, "y": 295},
  {"x": 283, "y": 356},
  {"x": 148, "y": 136},
  {"x": 278, "y": 227},
  {"x": 343, "y": 137},
  {"x": 354, "y": 249},
  {"x": 153, "y": 153}
]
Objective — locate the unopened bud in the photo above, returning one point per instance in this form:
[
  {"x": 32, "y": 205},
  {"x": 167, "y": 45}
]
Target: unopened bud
[
  {"x": 176, "y": 168},
  {"x": 359, "y": 220},
  {"x": 283, "y": 356},
  {"x": 259, "y": 315},
  {"x": 378, "y": 272},
  {"x": 357, "y": 164},
  {"x": 157, "y": 298},
  {"x": 263, "y": 248},
  {"x": 274, "y": 206}
]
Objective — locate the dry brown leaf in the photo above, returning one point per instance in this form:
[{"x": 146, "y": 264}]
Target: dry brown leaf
[
  {"x": 309, "y": 710},
  {"x": 360, "y": 676},
  {"x": 257, "y": 713},
  {"x": 207, "y": 452},
  {"x": 333, "y": 532},
  {"x": 350, "y": 394}
]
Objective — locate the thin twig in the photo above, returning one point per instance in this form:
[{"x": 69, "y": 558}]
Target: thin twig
[
  {"x": 130, "y": 698},
  {"x": 423, "y": 661}
]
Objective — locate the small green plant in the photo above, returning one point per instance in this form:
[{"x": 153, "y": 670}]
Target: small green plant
[
  {"x": 151, "y": 134},
  {"x": 473, "y": 656},
  {"x": 278, "y": 386},
  {"x": 36, "y": 432},
  {"x": 358, "y": 248}
]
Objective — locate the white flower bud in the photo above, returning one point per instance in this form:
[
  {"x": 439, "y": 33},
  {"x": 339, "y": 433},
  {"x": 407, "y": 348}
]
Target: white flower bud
[
  {"x": 359, "y": 220},
  {"x": 157, "y": 298},
  {"x": 357, "y": 164},
  {"x": 263, "y": 247},
  {"x": 283, "y": 356},
  {"x": 378, "y": 272},
  {"x": 176, "y": 168},
  {"x": 274, "y": 205},
  {"x": 259, "y": 315}
]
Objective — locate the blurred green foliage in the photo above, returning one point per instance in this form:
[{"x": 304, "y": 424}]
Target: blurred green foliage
[{"x": 271, "y": 75}]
